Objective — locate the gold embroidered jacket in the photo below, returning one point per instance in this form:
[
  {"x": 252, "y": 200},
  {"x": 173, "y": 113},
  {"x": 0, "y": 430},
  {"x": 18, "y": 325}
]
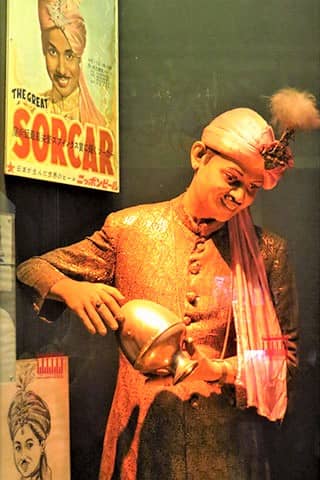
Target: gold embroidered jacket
[{"x": 158, "y": 252}]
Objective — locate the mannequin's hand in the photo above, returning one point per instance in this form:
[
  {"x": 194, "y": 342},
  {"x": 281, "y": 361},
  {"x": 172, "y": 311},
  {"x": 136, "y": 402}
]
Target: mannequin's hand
[
  {"x": 97, "y": 305},
  {"x": 208, "y": 369}
]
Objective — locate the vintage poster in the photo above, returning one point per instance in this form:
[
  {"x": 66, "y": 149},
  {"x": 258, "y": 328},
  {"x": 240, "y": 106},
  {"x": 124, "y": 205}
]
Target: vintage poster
[
  {"x": 62, "y": 92},
  {"x": 34, "y": 421}
]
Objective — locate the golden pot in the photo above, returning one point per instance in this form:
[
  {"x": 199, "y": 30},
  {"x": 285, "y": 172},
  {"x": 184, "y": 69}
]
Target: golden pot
[{"x": 152, "y": 337}]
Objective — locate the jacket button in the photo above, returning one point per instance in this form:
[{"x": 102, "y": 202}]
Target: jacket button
[
  {"x": 200, "y": 246},
  {"x": 186, "y": 320},
  {"x": 191, "y": 297},
  {"x": 36, "y": 307},
  {"x": 194, "y": 267},
  {"x": 194, "y": 401}
]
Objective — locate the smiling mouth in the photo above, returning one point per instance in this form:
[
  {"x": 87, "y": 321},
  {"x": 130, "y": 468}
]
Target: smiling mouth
[
  {"x": 229, "y": 203},
  {"x": 62, "y": 81}
]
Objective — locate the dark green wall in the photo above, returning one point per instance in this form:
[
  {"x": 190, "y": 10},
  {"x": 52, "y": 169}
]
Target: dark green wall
[{"x": 182, "y": 62}]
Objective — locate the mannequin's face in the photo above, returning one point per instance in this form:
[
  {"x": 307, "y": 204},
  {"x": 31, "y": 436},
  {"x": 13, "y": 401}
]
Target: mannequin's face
[
  {"x": 220, "y": 187},
  {"x": 63, "y": 65},
  {"x": 27, "y": 452}
]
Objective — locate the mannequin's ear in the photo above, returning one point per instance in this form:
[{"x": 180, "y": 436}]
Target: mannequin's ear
[{"x": 198, "y": 150}]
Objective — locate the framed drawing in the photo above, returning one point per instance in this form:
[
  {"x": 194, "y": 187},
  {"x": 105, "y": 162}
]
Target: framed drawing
[{"x": 34, "y": 421}]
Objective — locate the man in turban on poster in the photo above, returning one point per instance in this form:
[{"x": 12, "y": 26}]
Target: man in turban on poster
[{"x": 63, "y": 35}]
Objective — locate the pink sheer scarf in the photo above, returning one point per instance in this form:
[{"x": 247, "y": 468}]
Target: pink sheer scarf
[
  {"x": 261, "y": 349},
  {"x": 89, "y": 113}
]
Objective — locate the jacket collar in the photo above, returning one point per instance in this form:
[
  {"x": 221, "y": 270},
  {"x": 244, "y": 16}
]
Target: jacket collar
[{"x": 204, "y": 227}]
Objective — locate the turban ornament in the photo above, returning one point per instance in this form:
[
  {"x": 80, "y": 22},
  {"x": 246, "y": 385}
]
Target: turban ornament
[{"x": 57, "y": 15}]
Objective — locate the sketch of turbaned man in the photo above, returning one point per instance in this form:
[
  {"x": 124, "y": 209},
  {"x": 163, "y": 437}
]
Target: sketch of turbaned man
[{"x": 31, "y": 425}]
